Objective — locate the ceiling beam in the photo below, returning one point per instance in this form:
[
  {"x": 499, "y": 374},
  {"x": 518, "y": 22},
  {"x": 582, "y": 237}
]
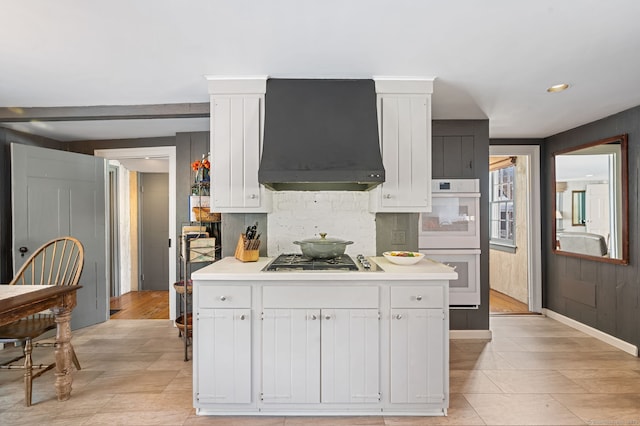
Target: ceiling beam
[{"x": 104, "y": 112}]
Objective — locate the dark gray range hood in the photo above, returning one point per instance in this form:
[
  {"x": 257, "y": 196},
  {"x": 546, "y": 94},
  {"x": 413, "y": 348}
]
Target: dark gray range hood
[{"x": 320, "y": 135}]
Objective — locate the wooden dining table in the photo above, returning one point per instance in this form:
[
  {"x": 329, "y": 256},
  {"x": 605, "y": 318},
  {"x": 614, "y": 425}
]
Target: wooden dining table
[{"x": 19, "y": 301}]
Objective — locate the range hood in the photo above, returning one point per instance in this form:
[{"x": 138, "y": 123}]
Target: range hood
[{"x": 320, "y": 135}]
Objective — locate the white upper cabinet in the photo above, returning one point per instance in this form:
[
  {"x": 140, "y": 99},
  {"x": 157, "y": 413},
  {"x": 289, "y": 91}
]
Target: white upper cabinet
[
  {"x": 404, "y": 126},
  {"x": 237, "y": 124}
]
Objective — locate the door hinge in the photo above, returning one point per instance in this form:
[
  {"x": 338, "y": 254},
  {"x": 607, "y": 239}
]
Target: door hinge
[
  {"x": 379, "y": 396},
  {"x": 169, "y": 242},
  {"x": 141, "y": 277},
  {"x": 261, "y": 396},
  {"x": 379, "y": 316},
  {"x": 262, "y": 316}
]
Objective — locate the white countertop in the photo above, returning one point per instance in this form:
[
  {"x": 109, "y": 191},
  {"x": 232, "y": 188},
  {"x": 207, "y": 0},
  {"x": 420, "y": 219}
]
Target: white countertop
[{"x": 232, "y": 269}]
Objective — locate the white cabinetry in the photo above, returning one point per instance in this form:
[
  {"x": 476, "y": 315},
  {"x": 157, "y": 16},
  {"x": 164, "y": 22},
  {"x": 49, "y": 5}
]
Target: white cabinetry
[
  {"x": 404, "y": 125},
  {"x": 278, "y": 346},
  {"x": 223, "y": 343},
  {"x": 237, "y": 124},
  {"x": 417, "y": 346}
]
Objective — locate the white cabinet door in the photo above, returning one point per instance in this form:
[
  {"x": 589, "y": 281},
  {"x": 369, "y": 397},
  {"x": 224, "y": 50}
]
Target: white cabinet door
[
  {"x": 236, "y": 143},
  {"x": 224, "y": 356},
  {"x": 291, "y": 356},
  {"x": 417, "y": 356},
  {"x": 405, "y": 141},
  {"x": 350, "y": 355},
  {"x": 312, "y": 356}
]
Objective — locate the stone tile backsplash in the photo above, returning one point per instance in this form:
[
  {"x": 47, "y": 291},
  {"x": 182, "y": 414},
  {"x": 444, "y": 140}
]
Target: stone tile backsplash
[{"x": 298, "y": 215}]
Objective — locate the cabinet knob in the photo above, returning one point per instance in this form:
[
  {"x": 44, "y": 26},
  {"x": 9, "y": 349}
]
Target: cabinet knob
[
  {"x": 242, "y": 317},
  {"x": 223, "y": 298},
  {"x": 313, "y": 317},
  {"x": 253, "y": 196},
  {"x": 387, "y": 196},
  {"x": 327, "y": 317},
  {"x": 399, "y": 316},
  {"x": 418, "y": 298}
]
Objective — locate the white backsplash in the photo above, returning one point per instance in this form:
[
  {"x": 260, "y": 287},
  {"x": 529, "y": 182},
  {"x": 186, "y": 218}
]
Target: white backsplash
[{"x": 298, "y": 215}]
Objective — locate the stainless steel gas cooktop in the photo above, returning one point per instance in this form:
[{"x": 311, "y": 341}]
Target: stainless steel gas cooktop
[{"x": 298, "y": 262}]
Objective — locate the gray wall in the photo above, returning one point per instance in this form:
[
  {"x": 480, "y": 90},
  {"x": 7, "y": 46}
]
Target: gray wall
[
  {"x": 461, "y": 150},
  {"x": 615, "y": 288},
  {"x": 189, "y": 147},
  {"x": 7, "y": 137}
]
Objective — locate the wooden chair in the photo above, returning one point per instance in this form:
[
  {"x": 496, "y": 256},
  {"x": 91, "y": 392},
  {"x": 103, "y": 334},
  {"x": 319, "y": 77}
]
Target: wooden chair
[{"x": 58, "y": 262}]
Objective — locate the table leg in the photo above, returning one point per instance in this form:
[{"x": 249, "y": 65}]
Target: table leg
[{"x": 63, "y": 353}]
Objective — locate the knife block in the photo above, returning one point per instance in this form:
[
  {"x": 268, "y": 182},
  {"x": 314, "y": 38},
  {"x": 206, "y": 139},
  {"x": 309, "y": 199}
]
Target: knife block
[{"x": 245, "y": 255}]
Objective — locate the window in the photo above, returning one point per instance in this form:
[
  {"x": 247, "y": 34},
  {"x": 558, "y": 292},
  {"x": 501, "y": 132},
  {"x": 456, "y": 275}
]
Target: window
[{"x": 502, "y": 225}]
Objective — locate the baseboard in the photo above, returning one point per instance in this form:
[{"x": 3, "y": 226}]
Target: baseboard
[
  {"x": 600, "y": 335},
  {"x": 470, "y": 334}
]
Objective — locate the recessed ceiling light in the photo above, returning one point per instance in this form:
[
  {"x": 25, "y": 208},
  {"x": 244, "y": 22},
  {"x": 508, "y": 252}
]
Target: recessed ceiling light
[
  {"x": 147, "y": 158},
  {"x": 558, "y": 88}
]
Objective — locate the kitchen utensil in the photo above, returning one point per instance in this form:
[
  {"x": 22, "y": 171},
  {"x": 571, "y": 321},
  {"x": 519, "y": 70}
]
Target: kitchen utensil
[
  {"x": 403, "y": 257},
  {"x": 323, "y": 247}
]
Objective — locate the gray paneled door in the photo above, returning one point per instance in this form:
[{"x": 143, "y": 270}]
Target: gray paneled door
[
  {"x": 57, "y": 193},
  {"x": 154, "y": 226}
]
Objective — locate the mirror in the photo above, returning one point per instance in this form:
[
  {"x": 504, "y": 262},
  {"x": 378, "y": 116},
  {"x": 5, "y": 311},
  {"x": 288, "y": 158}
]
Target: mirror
[{"x": 590, "y": 207}]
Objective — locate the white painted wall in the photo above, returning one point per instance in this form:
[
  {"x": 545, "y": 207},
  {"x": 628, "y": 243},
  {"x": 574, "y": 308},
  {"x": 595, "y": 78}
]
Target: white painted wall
[{"x": 298, "y": 215}]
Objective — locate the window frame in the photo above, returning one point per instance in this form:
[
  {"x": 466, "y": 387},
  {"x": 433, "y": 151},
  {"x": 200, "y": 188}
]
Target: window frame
[{"x": 496, "y": 181}]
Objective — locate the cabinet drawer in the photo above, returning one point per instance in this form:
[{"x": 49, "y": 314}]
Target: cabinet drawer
[
  {"x": 320, "y": 297},
  {"x": 417, "y": 297},
  {"x": 224, "y": 296}
]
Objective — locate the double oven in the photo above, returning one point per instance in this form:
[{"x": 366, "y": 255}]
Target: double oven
[{"x": 450, "y": 234}]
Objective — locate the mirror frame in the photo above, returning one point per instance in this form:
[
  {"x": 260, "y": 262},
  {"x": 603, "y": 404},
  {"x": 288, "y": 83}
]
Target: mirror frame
[{"x": 622, "y": 139}]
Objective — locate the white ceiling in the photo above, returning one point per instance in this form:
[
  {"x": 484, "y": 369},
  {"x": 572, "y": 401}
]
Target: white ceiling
[{"x": 492, "y": 59}]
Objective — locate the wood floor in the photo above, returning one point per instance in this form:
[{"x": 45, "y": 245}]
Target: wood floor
[
  {"x": 141, "y": 305},
  {"x": 501, "y": 304}
]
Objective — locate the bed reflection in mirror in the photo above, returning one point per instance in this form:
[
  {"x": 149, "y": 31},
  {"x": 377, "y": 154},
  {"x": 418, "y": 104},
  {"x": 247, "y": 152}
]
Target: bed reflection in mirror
[{"x": 591, "y": 201}]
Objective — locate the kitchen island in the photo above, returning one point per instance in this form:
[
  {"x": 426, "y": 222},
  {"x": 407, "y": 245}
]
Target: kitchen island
[{"x": 320, "y": 342}]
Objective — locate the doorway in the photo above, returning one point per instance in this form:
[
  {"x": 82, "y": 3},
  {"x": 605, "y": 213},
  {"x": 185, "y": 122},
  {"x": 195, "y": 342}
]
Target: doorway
[
  {"x": 515, "y": 242},
  {"x": 131, "y": 162}
]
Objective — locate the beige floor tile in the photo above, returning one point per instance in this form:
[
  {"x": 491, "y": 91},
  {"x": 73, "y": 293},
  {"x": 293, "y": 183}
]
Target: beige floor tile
[
  {"x": 611, "y": 385},
  {"x": 142, "y": 418},
  {"x": 521, "y": 409},
  {"x": 601, "y": 374},
  {"x": 134, "y": 374},
  {"x": 471, "y": 381},
  {"x": 335, "y": 421},
  {"x": 572, "y": 360},
  {"x": 486, "y": 360},
  {"x": 603, "y": 409},
  {"x": 194, "y": 420},
  {"x": 498, "y": 343},
  {"x": 533, "y": 381},
  {"x": 562, "y": 344},
  {"x": 460, "y": 413}
]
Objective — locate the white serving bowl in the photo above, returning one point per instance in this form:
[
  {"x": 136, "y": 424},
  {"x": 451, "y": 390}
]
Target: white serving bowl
[{"x": 403, "y": 260}]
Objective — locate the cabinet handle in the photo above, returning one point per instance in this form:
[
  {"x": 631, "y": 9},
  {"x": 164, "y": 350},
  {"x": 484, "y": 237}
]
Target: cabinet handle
[
  {"x": 327, "y": 317},
  {"x": 223, "y": 298},
  {"x": 418, "y": 298},
  {"x": 242, "y": 317},
  {"x": 313, "y": 317},
  {"x": 399, "y": 316}
]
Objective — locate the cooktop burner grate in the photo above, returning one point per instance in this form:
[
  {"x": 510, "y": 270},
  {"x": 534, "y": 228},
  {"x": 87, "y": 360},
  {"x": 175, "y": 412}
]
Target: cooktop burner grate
[{"x": 297, "y": 262}]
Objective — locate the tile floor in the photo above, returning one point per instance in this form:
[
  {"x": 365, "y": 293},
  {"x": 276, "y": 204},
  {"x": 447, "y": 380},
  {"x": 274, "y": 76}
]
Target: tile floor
[{"x": 535, "y": 371}]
